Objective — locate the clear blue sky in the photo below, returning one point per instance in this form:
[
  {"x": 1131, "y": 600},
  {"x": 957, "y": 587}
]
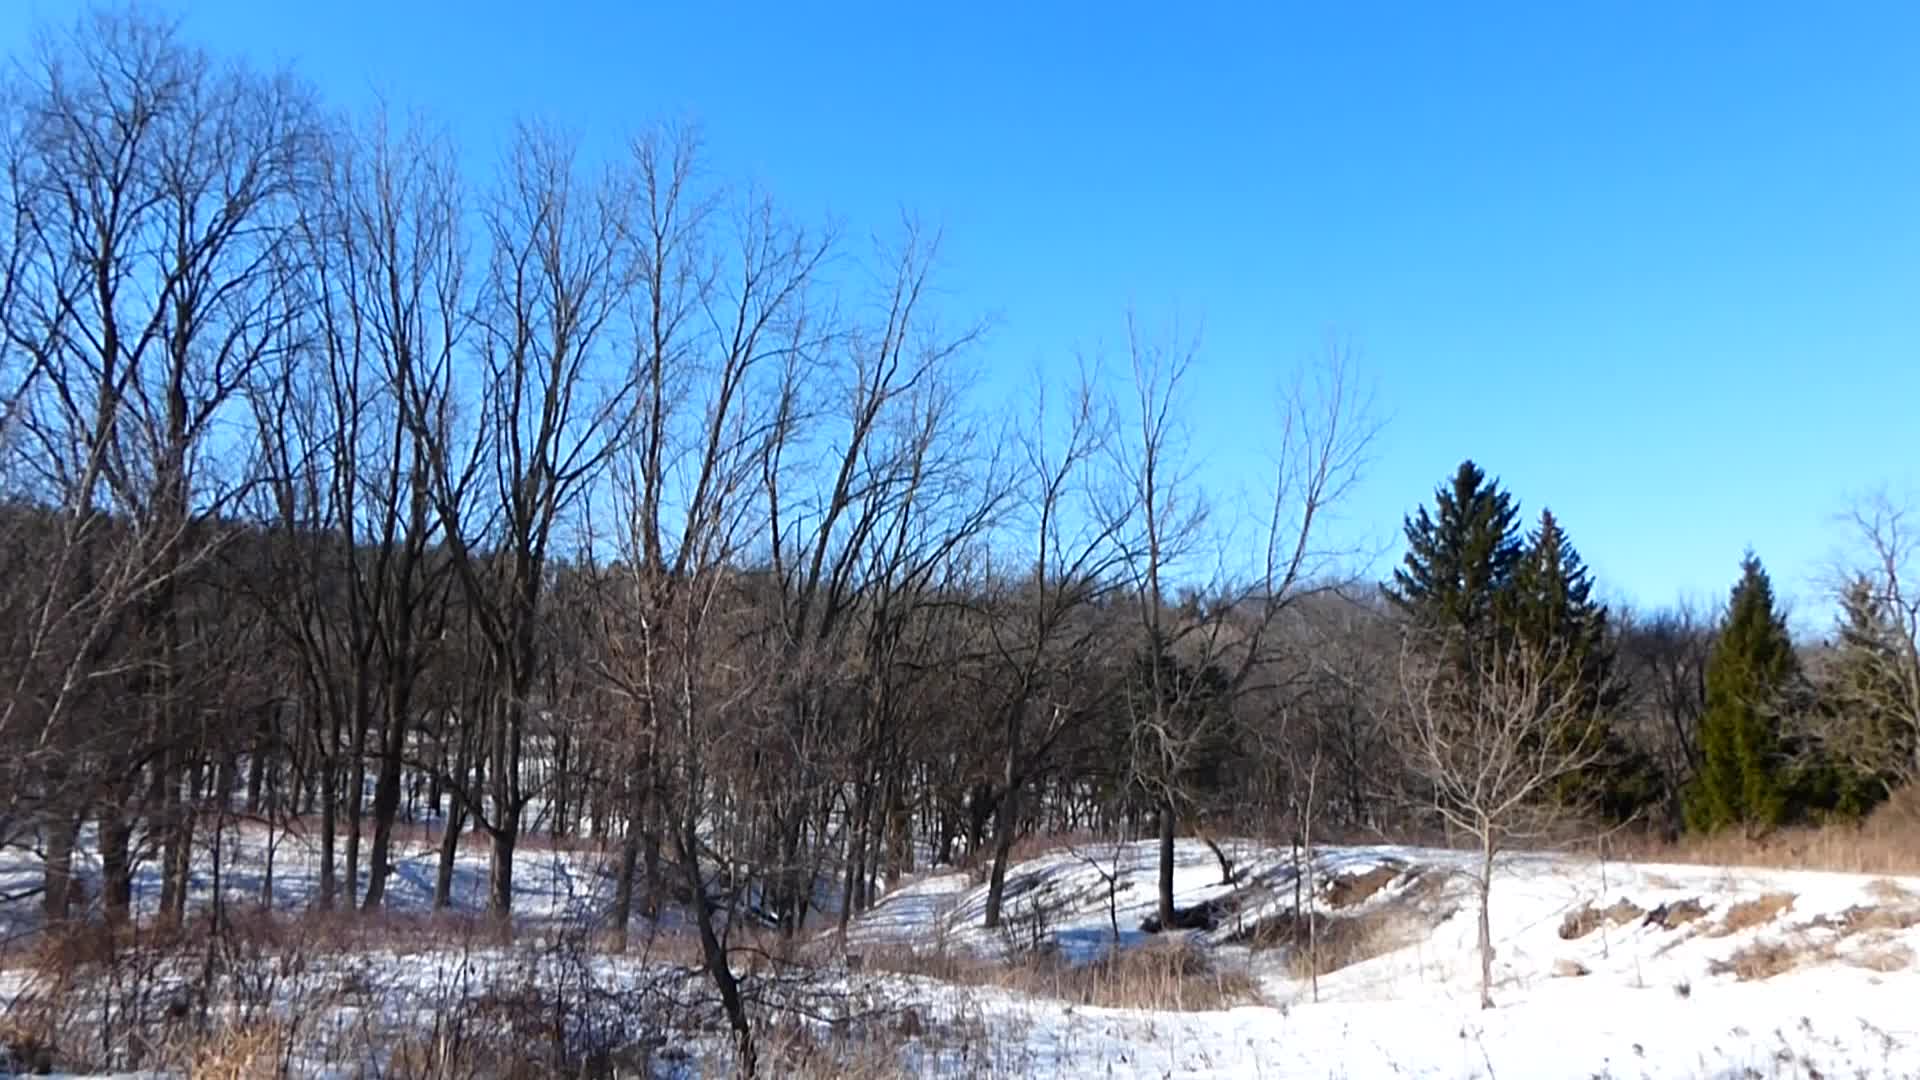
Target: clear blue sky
[{"x": 1656, "y": 265}]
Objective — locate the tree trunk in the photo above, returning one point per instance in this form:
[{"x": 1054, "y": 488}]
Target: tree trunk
[
  {"x": 1166, "y": 866},
  {"x": 116, "y": 869},
  {"x": 356, "y": 797},
  {"x": 629, "y": 859},
  {"x": 1002, "y": 850},
  {"x": 329, "y": 827},
  {"x": 506, "y": 837},
  {"x": 449, "y": 853},
  {"x": 386, "y": 797},
  {"x": 1486, "y": 920},
  {"x": 61, "y": 833},
  {"x": 712, "y": 951},
  {"x": 471, "y": 775},
  {"x": 176, "y": 856}
]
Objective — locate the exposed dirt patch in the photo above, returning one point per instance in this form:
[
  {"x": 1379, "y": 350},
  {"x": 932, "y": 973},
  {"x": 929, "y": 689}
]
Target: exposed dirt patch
[
  {"x": 1675, "y": 915},
  {"x": 1346, "y": 890},
  {"x": 1579, "y": 924},
  {"x": 1751, "y": 913}
]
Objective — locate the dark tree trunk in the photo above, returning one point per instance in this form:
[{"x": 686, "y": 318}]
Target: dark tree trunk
[
  {"x": 712, "y": 951},
  {"x": 629, "y": 857},
  {"x": 356, "y": 796},
  {"x": 61, "y": 831},
  {"x": 386, "y": 795},
  {"x": 116, "y": 868},
  {"x": 1166, "y": 865}
]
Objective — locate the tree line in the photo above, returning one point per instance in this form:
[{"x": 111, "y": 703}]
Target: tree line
[{"x": 342, "y": 490}]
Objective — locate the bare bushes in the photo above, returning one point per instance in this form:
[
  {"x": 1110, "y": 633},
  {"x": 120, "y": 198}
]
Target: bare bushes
[{"x": 258, "y": 996}]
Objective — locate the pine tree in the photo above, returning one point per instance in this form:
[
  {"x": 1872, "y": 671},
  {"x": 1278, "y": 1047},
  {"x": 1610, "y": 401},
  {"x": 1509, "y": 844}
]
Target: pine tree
[
  {"x": 1865, "y": 737},
  {"x": 1743, "y": 778},
  {"x": 1551, "y": 611},
  {"x": 1460, "y": 559}
]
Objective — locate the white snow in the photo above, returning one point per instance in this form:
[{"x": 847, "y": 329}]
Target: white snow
[{"x": 1628, "y": 1000}]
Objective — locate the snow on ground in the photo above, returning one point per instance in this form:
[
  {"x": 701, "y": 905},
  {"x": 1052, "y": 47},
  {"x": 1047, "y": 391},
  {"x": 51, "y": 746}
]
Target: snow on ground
[
  {"x": 1622, "y": 996},
  {"x": 1632, "y": 999},
  {"x": 551, "y": 885}
]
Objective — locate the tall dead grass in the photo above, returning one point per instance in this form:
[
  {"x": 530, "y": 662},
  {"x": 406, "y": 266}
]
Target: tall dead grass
[{"x": 1887, "y": 843}]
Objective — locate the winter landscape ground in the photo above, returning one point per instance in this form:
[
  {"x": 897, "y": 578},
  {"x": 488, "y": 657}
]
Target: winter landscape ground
[{"x": 1602, "y": 969}]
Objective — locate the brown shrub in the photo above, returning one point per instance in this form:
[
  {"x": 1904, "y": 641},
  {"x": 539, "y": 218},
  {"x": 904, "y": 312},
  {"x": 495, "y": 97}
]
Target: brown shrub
[
  {"x": 1751, "y": 913},
  {"x": 1565, "y": 968},
  {"x": 26, "y": 1047},
  {"x": 1888, "y": 890},
  {"x": 1762, "y": 960},
  {"x": 1579, "y": 924},
  {"x": 255, "y": 1052}
]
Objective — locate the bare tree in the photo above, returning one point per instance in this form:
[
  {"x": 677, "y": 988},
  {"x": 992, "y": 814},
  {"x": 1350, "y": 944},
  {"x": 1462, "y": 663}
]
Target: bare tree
[
  {"x": 1875, "y": 688},
  {"x": 156, "y": 200},
  {"x": 555, "y": 405},
  {"x": 1324, "y": 430},
  {"x": 1489, "y": 746},
  {"x": 1042, "y": 628}
]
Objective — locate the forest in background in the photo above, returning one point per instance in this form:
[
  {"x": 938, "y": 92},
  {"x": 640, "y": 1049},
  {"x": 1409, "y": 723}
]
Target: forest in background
[{"x": 608, "y": 501}]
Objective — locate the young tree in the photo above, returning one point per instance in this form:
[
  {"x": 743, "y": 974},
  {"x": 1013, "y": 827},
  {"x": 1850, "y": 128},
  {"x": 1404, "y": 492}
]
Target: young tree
[
  {"x": 1877, "y": 683},
  {"x": 1490, "y": 749},
  {"x": 1743, "y": 778}
]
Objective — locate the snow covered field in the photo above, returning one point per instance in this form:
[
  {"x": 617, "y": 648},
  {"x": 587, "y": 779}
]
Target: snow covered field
[{"x": 1616, "y": 970}]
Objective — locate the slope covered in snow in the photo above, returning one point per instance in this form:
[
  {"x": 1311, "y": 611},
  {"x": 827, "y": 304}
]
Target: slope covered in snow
[{"x": 1608, "y": 970}]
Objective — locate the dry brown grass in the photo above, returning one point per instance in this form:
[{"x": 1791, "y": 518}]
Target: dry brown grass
[
  {"x": 26, "y": 1046},
  {"x": 1565, "y": 968},
  {"x": 1346, "y": 890},
  {"x": 1333, "y": 942},
  {"x": 1579, "y": 924},
  {"x": 1889, "y": 891},
  {"x": 1883, "y": 845},
  {"x": 1167, "y": 975},
  {"x": 1885, "y": 957},
  {"x": 254, "y": 1052},
  {"x": 1751, "y": 913},
  {"x": 1764, "y": 959}
]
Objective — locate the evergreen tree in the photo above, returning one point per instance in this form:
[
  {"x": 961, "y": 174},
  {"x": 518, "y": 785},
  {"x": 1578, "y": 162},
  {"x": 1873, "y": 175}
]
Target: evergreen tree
[
  {"x": 1461, "y": 558},
  {"x": 1551, "y": 611},
  {"x": 1743, "y": 778},
  {"x": 1550, "y": 608},
  {"x": 1866, "y": 742}
]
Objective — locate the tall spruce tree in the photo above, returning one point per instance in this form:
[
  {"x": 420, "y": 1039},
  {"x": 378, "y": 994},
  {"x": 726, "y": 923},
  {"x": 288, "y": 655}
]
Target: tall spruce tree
[
  {"x": 1744, "y": 777},
  {"x": 1460, "y": 558},
  {"x": 1864, "y": 731},
  {"x": 1551, "y": 611}
]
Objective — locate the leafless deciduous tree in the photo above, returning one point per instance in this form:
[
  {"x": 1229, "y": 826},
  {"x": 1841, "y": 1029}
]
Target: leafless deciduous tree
[
  {"x": 1319, "y": 447},
  {"x": 1488, "y": 744},
  {"x": 1876, "y": 694},
  {"x": 155, "y": 194}
]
